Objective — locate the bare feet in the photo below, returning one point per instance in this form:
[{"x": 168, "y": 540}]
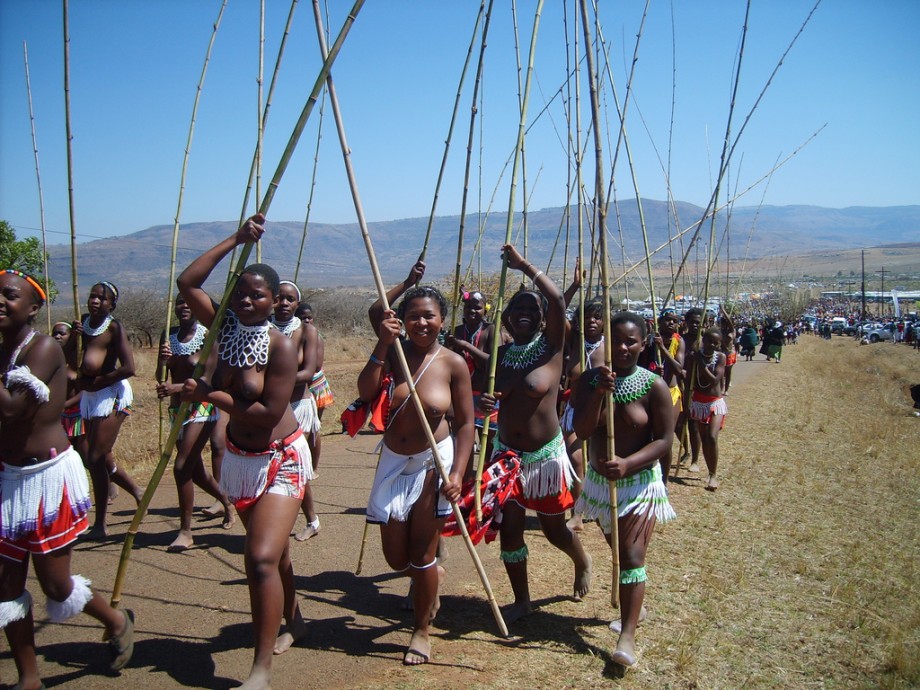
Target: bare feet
[
  {"x": 694, "y": 467},
  {"x": 293, "y": 633},
  {"x": 308, "y": 532},
  {"x": 97, "y": 533},
  {"x": 713, "y": 483},
  {"x": 214, "y": 510},
  {"x": 582, "y": 579},
  {"x": 113, "y": 493},
  {"x": 419, "y": 651},
  {"x": 181, "y": 543},
  {"x": 625, "y": 655},
  {"x": 27, "y": 683},
  {"x": 576, "y": 523},
  {"x": 617, "y": 625},
  {"x": 229, "y": 518},
  {"x": 516, "y": 611},
  {"x": 259, "y": 679}
]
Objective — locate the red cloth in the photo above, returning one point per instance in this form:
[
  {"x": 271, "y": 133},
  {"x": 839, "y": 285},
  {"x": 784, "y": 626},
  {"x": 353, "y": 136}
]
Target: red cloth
[
  {"x": 281, "y": 450},
  {"x": 355, "y": 416},
  {"x": 498, "y": 481},
  {"x": 45, "y": 538}
]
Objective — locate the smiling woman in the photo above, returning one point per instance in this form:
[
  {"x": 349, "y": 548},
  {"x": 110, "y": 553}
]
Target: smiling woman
[
  {"x": 44, "y": 495},
  {"x": 407, "y": 499},
  {"x": 527, "y": 384}
]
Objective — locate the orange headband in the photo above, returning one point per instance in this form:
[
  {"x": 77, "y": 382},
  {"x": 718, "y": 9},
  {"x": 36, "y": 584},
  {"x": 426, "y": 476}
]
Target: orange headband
[{"x": 30, "y": 280}]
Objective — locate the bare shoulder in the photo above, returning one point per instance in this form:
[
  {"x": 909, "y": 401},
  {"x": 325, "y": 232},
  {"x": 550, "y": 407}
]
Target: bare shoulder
[
  {"x": 280, "y": 342},
  {"x": 44, "y": 349},
  {"x": 453, "y": 359}
]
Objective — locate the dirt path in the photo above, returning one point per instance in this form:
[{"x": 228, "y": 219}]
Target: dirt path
[{"x": 193, "y": 623}]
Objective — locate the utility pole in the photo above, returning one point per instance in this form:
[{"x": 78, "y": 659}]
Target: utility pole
[
  {"x": 882, "y": 273},
  {"x": 863, "y": 315}
]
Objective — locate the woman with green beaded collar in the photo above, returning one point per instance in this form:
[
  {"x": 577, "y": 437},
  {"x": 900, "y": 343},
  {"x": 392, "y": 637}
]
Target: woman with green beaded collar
[
  {"x": 527, "y": 383},
  {"x": 643, "y": 432}
]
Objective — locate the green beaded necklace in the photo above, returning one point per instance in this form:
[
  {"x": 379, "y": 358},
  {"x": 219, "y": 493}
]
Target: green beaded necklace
[
  {"x": 626, "y": 389},
  {"x": 522, "y": 356}
]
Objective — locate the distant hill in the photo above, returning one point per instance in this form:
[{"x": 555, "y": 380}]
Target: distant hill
[{"x": 334, "y": 255}]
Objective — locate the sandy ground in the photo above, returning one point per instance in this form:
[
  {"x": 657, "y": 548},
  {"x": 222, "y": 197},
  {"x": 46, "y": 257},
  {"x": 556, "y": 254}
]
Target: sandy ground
[{"x": 192, "y": 609}]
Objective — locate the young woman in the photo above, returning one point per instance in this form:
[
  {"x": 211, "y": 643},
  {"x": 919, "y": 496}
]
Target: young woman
[
  {"x": 473, "y": 340},
  {"x": 594, "y": 356},
  {"x": 267, "y": 462},
  {"x": 643, "y": 421},
  {"x": 107, "y": 364},
  {"x": 70, "y": 417},
  {"x": 527, "y": 384},
  {"x": 407, "y": 499},
  {"x": 179, "y": 354},
  {"x": 666, "y": 359},
  {"x": 707, "y": 406},
  {"x": 306, "y": 338},
  {"x": 322, "y": 393},
  {"x": 44, "y": 495}
]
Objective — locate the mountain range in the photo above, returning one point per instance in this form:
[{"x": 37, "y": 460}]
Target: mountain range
[{"x": 335, "y": 255}]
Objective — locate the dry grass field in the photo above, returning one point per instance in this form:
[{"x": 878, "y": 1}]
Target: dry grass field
[{"x": 800, "y": 572}]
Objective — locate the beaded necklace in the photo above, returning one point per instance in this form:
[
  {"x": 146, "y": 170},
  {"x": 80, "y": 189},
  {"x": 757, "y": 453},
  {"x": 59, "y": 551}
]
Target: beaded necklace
[
  {"x": 243, "y": 346},
  {"x": 522, "y": 356},
  {"x": 711, "y": 364},
  {"x": 626, "y": 389},
  {"x": 287, "y": 327},
  {"x": 18, "y": 350},
  {"x": 89, "y": 330},
  {"x": 192, "y": 346},
  {"x": 591, "y": 347},
  {"x": 471, "y": 337}
]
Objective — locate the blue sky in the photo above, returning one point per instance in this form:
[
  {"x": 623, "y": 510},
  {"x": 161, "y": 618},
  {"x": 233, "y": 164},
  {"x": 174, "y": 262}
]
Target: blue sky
[{"x": 135, "y": 67}]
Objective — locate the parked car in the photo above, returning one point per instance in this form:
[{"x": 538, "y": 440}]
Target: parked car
[{"x": 875, "y": 332}]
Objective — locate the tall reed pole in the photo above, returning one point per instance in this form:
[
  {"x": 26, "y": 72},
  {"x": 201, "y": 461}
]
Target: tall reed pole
[
  {"x": 450, "y": 130},
  {"x": 255, "y": 166},
  {"x": 306, "y": 220},
  {"x": 224, "y": 303},
  {"x": 161, "y": 368},
  {"x": 260, "y": 118},
  {"x": 455, "y": 301},
  {"x": 509, "y": 226},
  {"x": 401, "y": 356},
  {"x": 601, "y": 207},
  {"x": 517, "y": 55},
  {"x": 38, "y": 177},
  {"x": 70, "y": 200}
]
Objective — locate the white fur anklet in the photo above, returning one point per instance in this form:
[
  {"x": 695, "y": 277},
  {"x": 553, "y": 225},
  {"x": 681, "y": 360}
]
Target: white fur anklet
[
  {"x": 424, "y": 567},
  {"x": 60, "y": 611},
  {"x": 15, "y": 610}
]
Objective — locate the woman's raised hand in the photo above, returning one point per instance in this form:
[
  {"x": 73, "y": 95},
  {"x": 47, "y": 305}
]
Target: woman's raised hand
[
  {"x": 252, "y": 230},
  {"x": 513, "y": 257}
]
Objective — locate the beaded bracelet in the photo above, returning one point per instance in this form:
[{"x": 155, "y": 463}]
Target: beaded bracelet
[{"x": 374, "y": 359}]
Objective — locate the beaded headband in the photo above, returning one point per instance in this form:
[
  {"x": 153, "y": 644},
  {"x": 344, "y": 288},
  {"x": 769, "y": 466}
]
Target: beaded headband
[
  {"x": 293, "y": 285},
  {"x": 61, "y": 323},
  {"x": 110, "y": 287},
  {"x": 30, "y": 280}
]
